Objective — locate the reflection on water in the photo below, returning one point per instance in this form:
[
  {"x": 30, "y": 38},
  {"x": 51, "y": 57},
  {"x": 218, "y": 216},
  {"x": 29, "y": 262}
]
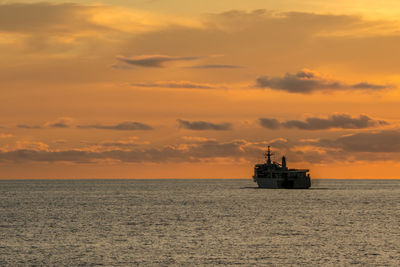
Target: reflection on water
[{"x": 189, "y": 222}]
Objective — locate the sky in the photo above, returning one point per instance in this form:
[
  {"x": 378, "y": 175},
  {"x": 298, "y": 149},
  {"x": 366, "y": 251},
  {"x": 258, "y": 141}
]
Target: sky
[{"x": 198, "y": 89}]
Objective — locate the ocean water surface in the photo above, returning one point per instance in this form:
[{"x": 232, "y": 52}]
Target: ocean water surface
[{"x": 198, "y": 222}]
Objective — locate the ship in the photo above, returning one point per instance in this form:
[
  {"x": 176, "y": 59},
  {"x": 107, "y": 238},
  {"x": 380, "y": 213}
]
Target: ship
[{"x": 274, "y": 175}]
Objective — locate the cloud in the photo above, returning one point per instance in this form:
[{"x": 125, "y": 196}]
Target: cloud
[
  {"x": 269, "y": 123},
  {"x": 338, "y": 121},
  {"x": 31, "y": 145},
  {"x": 203, "y": 125},
  {"x": 3, "y": 135},
  {"x": 175, "y": 85},
  {"x": 372, "y": 146},
  {"x": 60, "y": 123},
  {"x": 300, "y": 37},
  {"x": 60, "y": 141},
  {"x": 45, "y": 17},
  {"x": 307, "y": 81},
  {"x": 153, "y": 61},
  {"x": 120, "y": 66},
  {"x": 197, "y": 139},
  {"x": 365, "y": 85},
  {"x": 365, "y": 146},
  {"x": 123, "y": 126},
  {"x": 74, "y": 17},
  {"x": 121, "y": 143},
  {"x": 378, "y": 142},
  {"x": 215, "y": 66},
  {"x": 76, "y": 29},
  {"x": 193, "y": 152},
  {"x": 27, "y": 155},
  {"x": 26, "y": 126},
  {"x": 95, "y": 31}
]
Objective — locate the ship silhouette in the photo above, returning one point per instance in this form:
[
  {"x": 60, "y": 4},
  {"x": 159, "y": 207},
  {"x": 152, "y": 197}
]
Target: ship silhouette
[{"x": 275, "y": 175}]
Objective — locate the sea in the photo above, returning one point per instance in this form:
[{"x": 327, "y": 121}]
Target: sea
[{"x": 190, "y": 222}]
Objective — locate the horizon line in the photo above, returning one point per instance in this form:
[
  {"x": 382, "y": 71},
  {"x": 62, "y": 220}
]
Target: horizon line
[{"x": 177, "y": 178}]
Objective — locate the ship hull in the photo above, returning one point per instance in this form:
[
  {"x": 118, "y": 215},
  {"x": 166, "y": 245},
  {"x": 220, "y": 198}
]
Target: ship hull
[{"x": 275, "y": 183}]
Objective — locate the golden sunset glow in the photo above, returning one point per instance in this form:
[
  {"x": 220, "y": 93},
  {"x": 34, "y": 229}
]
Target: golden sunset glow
[{"x": 198, "y": 89}]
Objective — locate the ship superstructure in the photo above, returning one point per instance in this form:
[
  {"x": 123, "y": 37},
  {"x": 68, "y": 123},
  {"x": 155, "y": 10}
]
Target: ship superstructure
[{"x": 274, "y": 175}]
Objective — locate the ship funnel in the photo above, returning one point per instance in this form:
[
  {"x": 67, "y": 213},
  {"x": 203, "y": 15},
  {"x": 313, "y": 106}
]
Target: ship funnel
[{"x": 284, "y": 162}]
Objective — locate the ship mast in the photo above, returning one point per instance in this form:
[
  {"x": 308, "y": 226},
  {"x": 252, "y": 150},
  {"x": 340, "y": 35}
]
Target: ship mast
[{"x": 268, "y": 156}]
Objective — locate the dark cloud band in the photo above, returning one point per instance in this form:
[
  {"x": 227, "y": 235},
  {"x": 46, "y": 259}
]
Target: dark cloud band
[
  {"x": 338, "y": 121},
  {"x": 195, "y": 152},
  {"x": 370, "y": 146},
  {"x": 377, "y": 142}
]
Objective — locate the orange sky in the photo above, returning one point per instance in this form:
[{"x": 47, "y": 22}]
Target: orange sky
[{"x": 198, "y": 89}]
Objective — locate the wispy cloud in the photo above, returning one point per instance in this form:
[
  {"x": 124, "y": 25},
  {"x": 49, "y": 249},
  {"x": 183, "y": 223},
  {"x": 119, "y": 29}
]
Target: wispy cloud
[
  {"x": 45, "y": 17},
  {"x": 121, "y": 143},
  {"x": 204, "y": 125},
  {"x": 175, "y": 84},
  {"x": 26, "y": 126},
  {"x": 60, "y": 123},
  {"x": 153, "y": 61},
  {"x": 123, "y": 126},
  {"x": 215, "y": 66},
  {"x": 121, "y": 66}
]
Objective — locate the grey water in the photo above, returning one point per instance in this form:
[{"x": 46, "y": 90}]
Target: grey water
[{"x": 198, "y": 222}]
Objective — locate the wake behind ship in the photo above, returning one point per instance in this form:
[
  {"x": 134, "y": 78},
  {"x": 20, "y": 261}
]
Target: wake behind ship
[{"x": 275, "y": 175}]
